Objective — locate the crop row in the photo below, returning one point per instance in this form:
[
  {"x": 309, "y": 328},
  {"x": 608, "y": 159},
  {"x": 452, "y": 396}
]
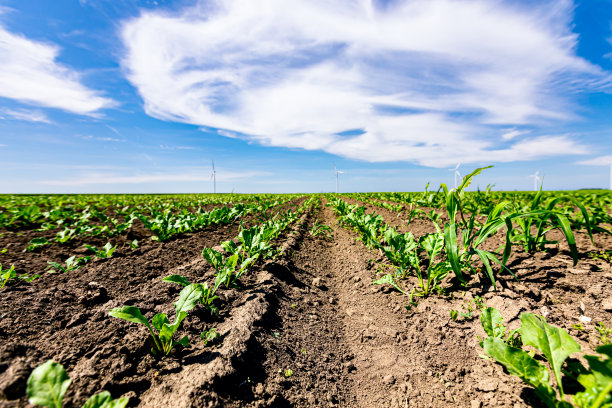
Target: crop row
[
  {"x": 458, "y": 243},
  {"x": 48, "y": 383}
]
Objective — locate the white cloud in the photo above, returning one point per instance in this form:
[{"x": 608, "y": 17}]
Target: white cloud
[
  {"x": 115, "y": 179},
  {"x": 597, "y": 161},
  {"x": 30, "y": 74},
  {"x": 426, "y": 81},
  {"x": 25, "y": 115},
  {"x": 510, "y": 134}
]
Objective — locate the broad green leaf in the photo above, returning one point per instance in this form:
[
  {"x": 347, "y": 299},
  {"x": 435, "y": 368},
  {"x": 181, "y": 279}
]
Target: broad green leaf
[
  {"x": 492, "y": 322},
  {"x": 215, "y": 258},
  {"x": 553, "y": 342},
  {"x": 597, "y": 382},
  {"x": 159, "y": 320},
  {"x": 129, "y": 313},
  {"x": 188, "y": 298},
  {"x": 47, "y": 385},
  {"x": 99, "y": 400},
  {"x": 521, "y": 364},
  {"x": 168, "y": 330},
  {"x": 181, "y": 280}
]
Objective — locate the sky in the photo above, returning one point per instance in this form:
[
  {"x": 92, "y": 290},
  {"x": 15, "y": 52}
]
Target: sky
[{"x": 118, "y": 96}]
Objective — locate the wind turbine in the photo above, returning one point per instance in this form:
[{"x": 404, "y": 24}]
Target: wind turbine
[
  {"x": 213, "y": 176},
  {"x": 457, "y": 174},
  {"x": 536, "y": 179},
  {"x": 336, "y": 171}
]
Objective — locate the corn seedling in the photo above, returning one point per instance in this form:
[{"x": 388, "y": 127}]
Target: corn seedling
[{"x": 49, "y": 382}]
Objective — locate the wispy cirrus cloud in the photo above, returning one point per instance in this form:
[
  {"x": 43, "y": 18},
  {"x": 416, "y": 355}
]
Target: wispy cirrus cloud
[
  {"x": 29, "y": 73},
  {"x": 420, "y": 81},
  {"x": 597, "y": 161},
  {"x": 26, "y": 115}
]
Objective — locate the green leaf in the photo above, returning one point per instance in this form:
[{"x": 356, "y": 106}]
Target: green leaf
[
  {"x": 484, "y": 257},
  {"x": 47, "y": 385},
  {"x": 450, "y": 241},
  {"x": 99, "y": 400},
  {"x": 215, "y": 258},
  {"x": 159, "y": 320},
  {"x": 492, "y": 322},
  {"x": 597, "y": 382},
  {"x": 188, "y": 298},
  {"x": 553, "y": 342},
  {"x": 388, "y": 278},
  {"x": 181, "y": 280},
  {"x": 569, "y": 235},
  {"x": 129, "y": 313},
  {"x": 521, "y": 364},
  {"x": 104, "y": 400}
]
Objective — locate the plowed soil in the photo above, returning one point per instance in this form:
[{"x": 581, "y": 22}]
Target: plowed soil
[{"x": 307, "y": 329}]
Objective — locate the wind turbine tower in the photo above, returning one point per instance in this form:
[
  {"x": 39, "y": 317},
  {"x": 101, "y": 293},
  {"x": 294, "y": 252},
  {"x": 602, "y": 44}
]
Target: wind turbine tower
[
  {"x": 213, "y": 176},
  {"x": 336, "y": 171},
  {"x": 536, "y": 180},
  {"x": 457, "y": 174}
]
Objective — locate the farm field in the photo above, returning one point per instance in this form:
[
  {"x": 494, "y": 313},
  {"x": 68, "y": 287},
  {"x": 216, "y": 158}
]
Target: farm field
[{"x": 308, "y": 300}]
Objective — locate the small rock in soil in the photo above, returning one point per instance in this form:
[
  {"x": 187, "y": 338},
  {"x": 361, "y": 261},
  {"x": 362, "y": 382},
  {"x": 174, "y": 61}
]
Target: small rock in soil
[{"x": 606, "y": 304}]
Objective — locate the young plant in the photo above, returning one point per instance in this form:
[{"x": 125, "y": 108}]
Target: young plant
[
  {"x": 36, "y": 243},
  {"x": 9, "y": 274},
  {"x": 319, "y": 229},
  {"x": 49, "y": 382},
  {"x": 72, "y": 264},
  {"x": 556, "y": 345},
  {"x": 163, "y": 341},
  {"x": 209, "y": 335},
  {"x": 106, "y": 251},
  {"x": 228, "y": 271},
  {"x": 389, "y": 279},
  {"x": 208, "y": 294}
]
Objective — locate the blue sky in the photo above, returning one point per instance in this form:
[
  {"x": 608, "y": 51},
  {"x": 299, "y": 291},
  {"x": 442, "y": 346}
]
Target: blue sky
[{"x": 140, "y": 96}]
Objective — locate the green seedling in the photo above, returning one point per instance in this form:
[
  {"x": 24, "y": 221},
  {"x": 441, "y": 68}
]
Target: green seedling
[
  {"x": 36, "y": 243},
  {"x": 605, "y": 334},
  {"x": 209, "y": 335},
  {"x": 319, "y": 229},
  {"x": 555, "y": 345},
  {"x": 3, "y": 250},
  {"x": 162, "y": 340},
  {"x": 454, "y": 314},
  {"x": 49, "y": 382},
  {"x": 72, "y": 264},
  {"x": 389, "y": 279},
  {"x": 10, "y": 274},
  {"x": 106, "y": 251},
  {"x": 134, "y": 244},
  {"x": 288, "y": 373},
  {"x": 493, "y": 324}
]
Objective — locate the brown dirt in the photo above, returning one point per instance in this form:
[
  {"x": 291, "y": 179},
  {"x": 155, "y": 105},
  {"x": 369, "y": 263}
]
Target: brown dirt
[{"x": 313, "y": 311}]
